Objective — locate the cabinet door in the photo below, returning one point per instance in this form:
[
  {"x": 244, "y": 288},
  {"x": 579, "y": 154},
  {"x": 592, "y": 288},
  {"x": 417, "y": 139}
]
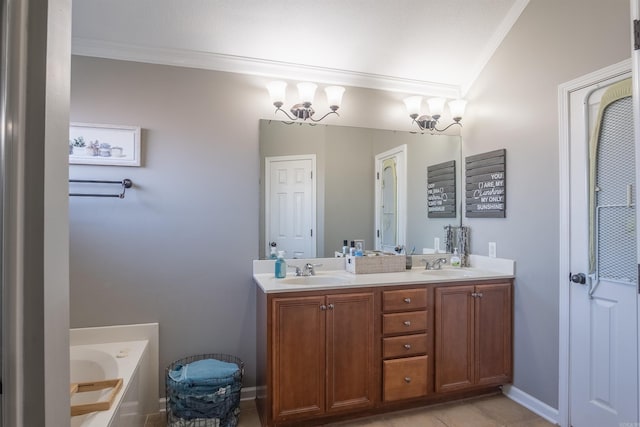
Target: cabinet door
[
  {"x": 350, "y": 335},
  {"x": 454, "y": 361},
  {"x": 298, "y": 363},
  {"x": 493, "y": 334}
]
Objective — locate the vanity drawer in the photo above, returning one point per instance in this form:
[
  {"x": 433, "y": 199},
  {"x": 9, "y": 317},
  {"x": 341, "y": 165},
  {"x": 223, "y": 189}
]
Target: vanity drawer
[
  {"x": 403, "y": 346},
  {"x": 404, "y": 299},
  {"x": 404, "y": 378},
  {"x": 397, "y": 323}
]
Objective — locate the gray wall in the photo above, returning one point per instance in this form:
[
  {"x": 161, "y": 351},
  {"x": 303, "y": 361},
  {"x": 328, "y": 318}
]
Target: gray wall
[
  {"x": 178, "y": 249},
  {"x": 513, "y": 105}
]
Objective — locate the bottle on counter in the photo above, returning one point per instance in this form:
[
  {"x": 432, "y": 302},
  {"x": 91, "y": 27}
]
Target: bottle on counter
[
  {"x": 455, "y": 258},
  {"x": 345, "y": 247},
  {"x": 274, "y": 252},
  {"x": 281, "y": 266}
]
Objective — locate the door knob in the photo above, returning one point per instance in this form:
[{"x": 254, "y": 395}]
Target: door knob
[{"x": 580, "y": 278}]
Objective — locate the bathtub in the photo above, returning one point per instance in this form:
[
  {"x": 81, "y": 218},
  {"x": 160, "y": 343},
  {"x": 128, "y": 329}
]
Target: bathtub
[{"x": 95, "y": 362}]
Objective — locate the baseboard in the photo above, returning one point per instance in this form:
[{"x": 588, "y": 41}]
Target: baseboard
[
  {"x": 247, "y": 393},
  {"x": 545, "y": 411}
]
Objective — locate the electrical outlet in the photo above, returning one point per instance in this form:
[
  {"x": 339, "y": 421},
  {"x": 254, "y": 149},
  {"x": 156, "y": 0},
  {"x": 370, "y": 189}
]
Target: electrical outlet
[{"x": 492, "y": 249}]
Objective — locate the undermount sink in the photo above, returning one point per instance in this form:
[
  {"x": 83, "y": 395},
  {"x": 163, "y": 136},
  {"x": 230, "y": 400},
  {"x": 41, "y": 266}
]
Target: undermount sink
[
  {"x": 315, "y": 280},
  {"x": 449, "y": 272}
]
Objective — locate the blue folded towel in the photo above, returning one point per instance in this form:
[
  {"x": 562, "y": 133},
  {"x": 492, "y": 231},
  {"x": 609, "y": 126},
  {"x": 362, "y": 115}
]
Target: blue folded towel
[{"x": 202, "y": 372}]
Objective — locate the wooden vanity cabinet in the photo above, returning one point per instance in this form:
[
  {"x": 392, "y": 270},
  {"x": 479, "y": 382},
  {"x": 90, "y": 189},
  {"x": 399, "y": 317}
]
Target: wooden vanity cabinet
[
  {"x": 322, "y": 354},
  {"x": 326, "y": 356},
  {"x": 473, "y": 336}
]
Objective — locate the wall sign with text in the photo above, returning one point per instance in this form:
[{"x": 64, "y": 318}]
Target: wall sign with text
[
  {"x": 441, "y": 190},
  {"x": 486, "y": 185}
]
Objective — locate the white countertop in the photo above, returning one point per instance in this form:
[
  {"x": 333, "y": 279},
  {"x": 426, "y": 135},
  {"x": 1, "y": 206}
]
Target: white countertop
[{"x": 331, "y": 276}]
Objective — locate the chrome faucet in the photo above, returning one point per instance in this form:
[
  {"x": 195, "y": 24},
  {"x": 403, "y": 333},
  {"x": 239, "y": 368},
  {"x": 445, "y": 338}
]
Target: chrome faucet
[
  {"x": 307, "y": 270},
  {"x": 436, "y": 264}
]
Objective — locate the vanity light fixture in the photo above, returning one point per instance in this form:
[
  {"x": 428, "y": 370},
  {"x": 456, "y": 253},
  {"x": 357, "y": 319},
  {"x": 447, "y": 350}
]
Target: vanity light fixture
[
  {"x": 303, "y": 110},
  {"x": 436, "y": 106}
]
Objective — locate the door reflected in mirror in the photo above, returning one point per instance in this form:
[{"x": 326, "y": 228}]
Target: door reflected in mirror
[{"x": 345, "y": 185}]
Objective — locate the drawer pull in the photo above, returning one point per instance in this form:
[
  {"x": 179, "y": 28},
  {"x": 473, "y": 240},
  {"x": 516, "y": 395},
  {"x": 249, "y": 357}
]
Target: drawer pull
[
  {"x": 407, "y": 380},
  {"x": 407, "y": 323},
  {"x": 407, "y": 346},
  {"x": 407, "y": 300}
]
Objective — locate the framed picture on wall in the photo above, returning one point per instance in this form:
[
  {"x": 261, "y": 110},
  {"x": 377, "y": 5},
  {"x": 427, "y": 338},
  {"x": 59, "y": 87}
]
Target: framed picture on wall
[{"x": 96, "y": 144}]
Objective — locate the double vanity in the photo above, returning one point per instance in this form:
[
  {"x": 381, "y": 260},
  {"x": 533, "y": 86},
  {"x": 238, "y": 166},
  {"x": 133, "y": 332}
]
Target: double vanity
[{"x": 337, "y": 345}]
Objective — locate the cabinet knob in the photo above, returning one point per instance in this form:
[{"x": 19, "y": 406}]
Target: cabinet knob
[
  {"x": 407, "y": 323},
  {"x": 407, "y": 346},
  {"x": 323, "y": 307},
  {"x": 474, "y": 294},
  {"x": 331, "y": 306},
  {"x": 479, "y": 294},
  {"x": 407, "y": 300},
  {"x": 407, "y": 380}
]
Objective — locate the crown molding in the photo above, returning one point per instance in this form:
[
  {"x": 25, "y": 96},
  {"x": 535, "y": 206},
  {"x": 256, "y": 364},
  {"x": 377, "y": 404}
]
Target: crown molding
[
  {"x": 493, "y": 44},
  {"x": 258, "y": 67}
]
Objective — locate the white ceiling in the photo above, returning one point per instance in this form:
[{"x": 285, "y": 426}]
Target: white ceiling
[{"x": 429, "y": 47}]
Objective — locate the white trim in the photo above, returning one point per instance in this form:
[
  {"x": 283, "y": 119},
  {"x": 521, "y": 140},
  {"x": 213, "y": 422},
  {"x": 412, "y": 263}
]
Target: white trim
[
  {"x": 545, "y": 411},
  {"x": 564, "y": 92},
  {"x": 635, "y": 65},
  {"x": 493, "y": 44},
  {"x": 258, "y": 67}
]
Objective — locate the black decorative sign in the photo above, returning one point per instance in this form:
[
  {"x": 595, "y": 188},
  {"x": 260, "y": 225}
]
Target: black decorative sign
[
  {"x": 441, "y": 190},
  {"x": 486, "y": 185}
]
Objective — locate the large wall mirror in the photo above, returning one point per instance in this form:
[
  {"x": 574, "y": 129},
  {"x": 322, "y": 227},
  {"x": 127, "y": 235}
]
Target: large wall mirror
[{"x": 318, "y": 187}]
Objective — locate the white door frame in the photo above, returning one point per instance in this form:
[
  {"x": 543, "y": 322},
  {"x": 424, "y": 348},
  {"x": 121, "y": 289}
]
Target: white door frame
[
  {"x": 400, "y": 152},
  {"x": 267, "y": 198},
  {"x": 635, "y": 83},
  {"x": 564, "y": 92}
]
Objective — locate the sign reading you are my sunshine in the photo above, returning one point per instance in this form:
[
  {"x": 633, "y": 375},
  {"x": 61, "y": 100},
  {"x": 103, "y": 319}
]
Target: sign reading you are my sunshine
[
  {"x": 486, "y": 191},
  {"x": 441, "y": 190}
]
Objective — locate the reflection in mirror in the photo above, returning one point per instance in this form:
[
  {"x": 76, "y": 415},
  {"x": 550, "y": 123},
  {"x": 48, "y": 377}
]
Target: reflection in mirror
[
  {"x": 389, "y": 206},
  {"x": 391, "y": 201},
  {"x": 345, "y": 186}
]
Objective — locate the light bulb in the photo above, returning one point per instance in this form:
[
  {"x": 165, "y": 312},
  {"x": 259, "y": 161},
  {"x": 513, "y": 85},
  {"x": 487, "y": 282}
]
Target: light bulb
[
  {"x": 413, "y": 104},
  {"x": 277, "y": 92},
  {"x": 457, "y": 109},
  {"x": 306, "y": 91},
  {"x": 334, "y": 96},
  {"x": 436, "y": 105}
]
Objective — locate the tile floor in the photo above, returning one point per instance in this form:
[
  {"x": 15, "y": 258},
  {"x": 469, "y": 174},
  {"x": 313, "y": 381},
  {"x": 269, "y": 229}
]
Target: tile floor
[{"x": 489, "y": 411}]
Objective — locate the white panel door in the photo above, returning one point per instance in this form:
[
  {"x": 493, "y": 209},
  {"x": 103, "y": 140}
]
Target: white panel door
[
  {"x": 603, "y": 348},
  {"x": 291, "y": 205}
]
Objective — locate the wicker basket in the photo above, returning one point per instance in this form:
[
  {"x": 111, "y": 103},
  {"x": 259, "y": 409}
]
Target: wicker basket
[{"x": 202, "y": 407}]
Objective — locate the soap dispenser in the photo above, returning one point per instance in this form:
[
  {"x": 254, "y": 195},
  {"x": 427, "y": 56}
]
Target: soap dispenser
[
  {"x": 455, "y": 258},
  {"x": 281, "y": 266}
]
